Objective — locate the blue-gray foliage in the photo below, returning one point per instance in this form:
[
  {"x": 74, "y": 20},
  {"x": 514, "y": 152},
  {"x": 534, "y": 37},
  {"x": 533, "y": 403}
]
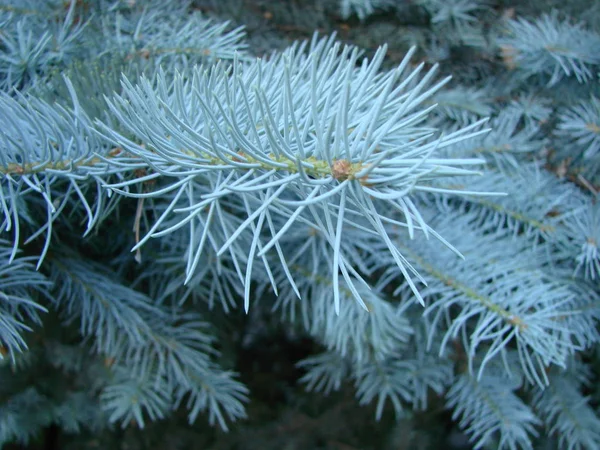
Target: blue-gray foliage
[{"x": 437, "y": 239}]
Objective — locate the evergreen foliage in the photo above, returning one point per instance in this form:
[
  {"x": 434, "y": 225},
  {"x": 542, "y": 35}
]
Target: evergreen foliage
[{"x": 169, "y": 194}]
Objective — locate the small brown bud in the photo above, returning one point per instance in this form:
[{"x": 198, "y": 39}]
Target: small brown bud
[
  {"x": 508, "y": 54},
  {"x": 341, "y": 169}
]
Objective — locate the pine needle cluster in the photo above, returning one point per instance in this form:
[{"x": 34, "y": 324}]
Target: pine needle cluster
[{"x": 436, "y": 238}]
